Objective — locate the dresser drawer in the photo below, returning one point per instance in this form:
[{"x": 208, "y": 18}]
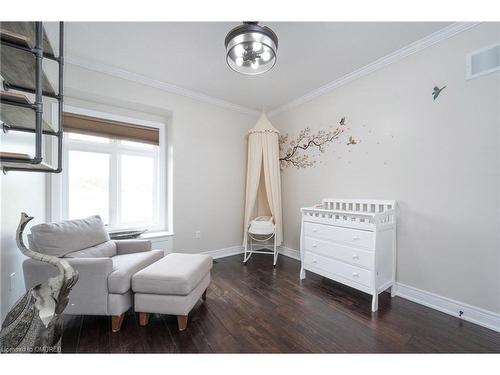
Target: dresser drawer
[
  {"x": 352, "y": 273},
  {"x": 345, "y": 253},
  {"x": 353, "y": 237}
]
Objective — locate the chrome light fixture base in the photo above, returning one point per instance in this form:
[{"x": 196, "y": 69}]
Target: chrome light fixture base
[{"x": 251, "y": 48}]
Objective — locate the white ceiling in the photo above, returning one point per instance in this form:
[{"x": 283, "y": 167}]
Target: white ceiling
[{"x": 192, "y": 55}]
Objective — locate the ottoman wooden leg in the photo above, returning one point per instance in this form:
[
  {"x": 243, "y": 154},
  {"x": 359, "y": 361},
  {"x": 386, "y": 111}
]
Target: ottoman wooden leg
[
  {"x": 143, "y": 319},
  {"x": 116, "y": 322},
  {"x": 182, "y": 321},
  {"x": 204, "y": 295}
]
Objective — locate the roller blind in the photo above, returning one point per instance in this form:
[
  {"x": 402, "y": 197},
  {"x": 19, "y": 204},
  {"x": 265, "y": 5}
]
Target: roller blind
[{"x": 112, "y": 129}]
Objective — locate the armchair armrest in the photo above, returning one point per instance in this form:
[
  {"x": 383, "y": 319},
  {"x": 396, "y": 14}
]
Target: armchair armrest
[
  {"x": 89, "y": 296},
  {"x": 132, "y": 246}
]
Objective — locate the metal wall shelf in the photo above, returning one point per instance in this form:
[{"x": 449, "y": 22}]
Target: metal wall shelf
[
  {"x": 24, "y": 34},
  {"x": 18, "y": 71},
  {"x": 16, "y": 166},
  {"x": 24, "y": 46},
  {"x": 15, "y": 155},
  {"x": 17, "y": 113}
]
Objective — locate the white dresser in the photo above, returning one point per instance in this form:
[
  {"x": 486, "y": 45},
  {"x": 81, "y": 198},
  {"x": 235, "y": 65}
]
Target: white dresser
[{"x": 351, "y": 241}]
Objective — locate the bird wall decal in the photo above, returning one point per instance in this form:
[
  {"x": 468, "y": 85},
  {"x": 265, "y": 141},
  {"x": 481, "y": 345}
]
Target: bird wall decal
[{"x": 436, "y": 91}]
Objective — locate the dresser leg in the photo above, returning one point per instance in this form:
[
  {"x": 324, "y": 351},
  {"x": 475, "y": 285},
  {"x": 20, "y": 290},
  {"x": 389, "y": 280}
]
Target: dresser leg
[
  {"x": 302, "y": 274},
  {"x": 375, "y": 302}
]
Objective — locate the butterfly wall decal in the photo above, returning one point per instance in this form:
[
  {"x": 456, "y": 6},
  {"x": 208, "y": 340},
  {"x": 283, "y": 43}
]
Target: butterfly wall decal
[{"x": 351, "y": 141}]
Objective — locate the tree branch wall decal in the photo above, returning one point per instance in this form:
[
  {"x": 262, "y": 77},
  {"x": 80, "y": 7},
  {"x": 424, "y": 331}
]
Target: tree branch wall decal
[{"x": 295, "y": 153}]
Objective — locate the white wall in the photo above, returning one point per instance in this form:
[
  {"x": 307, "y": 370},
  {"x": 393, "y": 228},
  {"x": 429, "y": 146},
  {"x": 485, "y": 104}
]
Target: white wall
[
  {"x": 439, "y": 160},
  {"x": 19, "y": 191}
]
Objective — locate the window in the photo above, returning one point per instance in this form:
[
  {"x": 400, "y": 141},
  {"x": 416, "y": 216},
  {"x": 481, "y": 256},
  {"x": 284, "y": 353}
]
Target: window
[
  {"x": 483, "y": 61},
  {"x": 88, "y": 184},
  {"x": 116, "y": 177}
]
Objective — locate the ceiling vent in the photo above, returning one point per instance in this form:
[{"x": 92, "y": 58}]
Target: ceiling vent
[{"x": 483, "y": 61}]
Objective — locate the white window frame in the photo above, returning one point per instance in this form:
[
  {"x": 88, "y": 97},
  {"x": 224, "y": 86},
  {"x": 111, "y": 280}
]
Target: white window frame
[{"x": 58, "y": 194}]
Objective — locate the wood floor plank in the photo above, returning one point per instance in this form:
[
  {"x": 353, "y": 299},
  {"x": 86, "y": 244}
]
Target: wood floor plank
[
  {"x": 94, "y": 335},
  {"x": 128, "y": 339},
  {"x": 256, "y": 308},
  {"x": 156, "y": 336},
  {"x": 71, "y": 332}
]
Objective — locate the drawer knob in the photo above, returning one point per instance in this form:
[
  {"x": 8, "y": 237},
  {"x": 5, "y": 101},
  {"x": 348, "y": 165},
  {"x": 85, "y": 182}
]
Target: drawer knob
[
  {"x": 356, "y": 238},
  {"x": 355, "y": 257},
  {"x": 315, "y": 261},
  {"x": 315, "y": 245},
  {"x": 315, "y": 230},
  {"x": 355, "y": 274}
]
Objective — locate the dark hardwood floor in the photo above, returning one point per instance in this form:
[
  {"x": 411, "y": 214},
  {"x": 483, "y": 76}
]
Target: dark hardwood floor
[{"x": 258, "y": 309}]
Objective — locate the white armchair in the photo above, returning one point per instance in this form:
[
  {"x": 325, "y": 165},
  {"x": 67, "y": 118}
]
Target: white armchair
[{"x": 105, "y": 266}]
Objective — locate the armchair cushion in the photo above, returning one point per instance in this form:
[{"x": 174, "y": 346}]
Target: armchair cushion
[
  {"x": 126, "y": 265},
  {"x": 65, "y": 237},
  {"x": 103, "y": 250}
]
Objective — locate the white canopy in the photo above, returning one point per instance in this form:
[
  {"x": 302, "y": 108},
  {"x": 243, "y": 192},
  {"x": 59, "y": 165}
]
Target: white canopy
[{"x": 263, "y": 190}]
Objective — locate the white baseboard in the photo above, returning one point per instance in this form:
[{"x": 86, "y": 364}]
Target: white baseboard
[
  {"x": 434, "y": 301},
  {"x": 291, "y": 253},
  {"x": 226, "y": 252},
  {"x": 449, "y": 306},
  {"x": 235, "y": 250}
]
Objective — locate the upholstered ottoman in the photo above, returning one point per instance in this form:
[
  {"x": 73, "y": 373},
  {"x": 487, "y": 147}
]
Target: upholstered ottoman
[{"x": 172, "y": 285}]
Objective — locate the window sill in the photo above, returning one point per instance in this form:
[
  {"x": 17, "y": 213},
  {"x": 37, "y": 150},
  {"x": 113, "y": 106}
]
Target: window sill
[{"x": 155, "y": 235}]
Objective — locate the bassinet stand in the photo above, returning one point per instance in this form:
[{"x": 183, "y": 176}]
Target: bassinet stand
[{"x": 248, "y": 253}]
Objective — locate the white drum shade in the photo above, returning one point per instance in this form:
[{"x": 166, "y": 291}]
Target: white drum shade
[{"x": 263, "y": 188}]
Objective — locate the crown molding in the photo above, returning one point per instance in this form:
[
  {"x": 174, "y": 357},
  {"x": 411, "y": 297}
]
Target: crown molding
[
  {"x": 391, "y": 58},
  {"x": 151, "y": 82}
]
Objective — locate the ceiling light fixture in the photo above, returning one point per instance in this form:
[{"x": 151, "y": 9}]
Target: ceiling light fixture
[{"x": 251, "y": 48}]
